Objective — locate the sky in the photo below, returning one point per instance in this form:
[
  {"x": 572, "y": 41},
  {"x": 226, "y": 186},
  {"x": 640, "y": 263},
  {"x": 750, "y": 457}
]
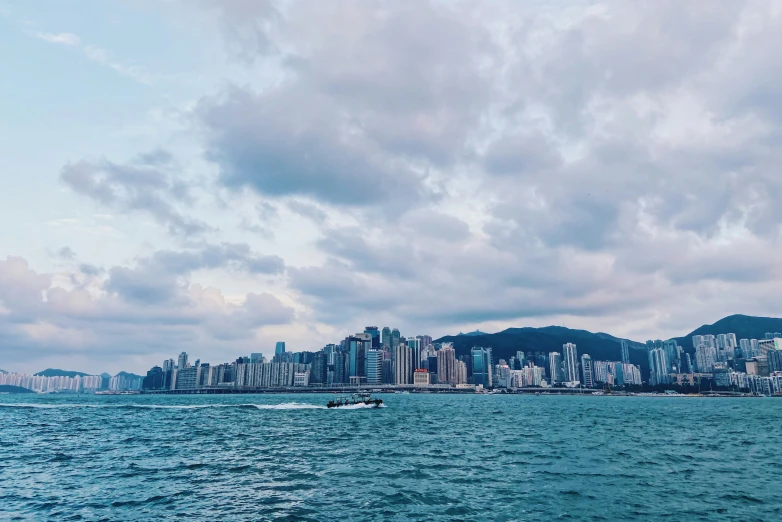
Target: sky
[{"x": 214, "y": 176}]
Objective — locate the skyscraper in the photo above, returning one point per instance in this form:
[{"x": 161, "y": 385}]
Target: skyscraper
[
  {"x": 394, "y": 338},
  {"x": 415, "y": 346},
  {"x": 279, "y": 348},
  {"x": 555, "y": 367},
  {"x": 570, "y": 360},
  {"x": 374, "y": 366},
  {"x": 426, "y": 340},
  {"x": 182, "y": 361},
  {"x": 481, "y": 366},
  {"x": 586, "y": 371},
  {"x": 658, "y": 367},
  {"x": 386, "y": 338},
  {"x": 403, "y": 364},
  {"x": 446, "y": 364},
  {"x": 375, "y": 334},
  {"x": 705, "y": 356},
  {"x": 625, "y": 345},
  {"x": 746, "y": 348}
]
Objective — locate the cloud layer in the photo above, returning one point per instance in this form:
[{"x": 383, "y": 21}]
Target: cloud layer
[{"x": 449, "y": 165}]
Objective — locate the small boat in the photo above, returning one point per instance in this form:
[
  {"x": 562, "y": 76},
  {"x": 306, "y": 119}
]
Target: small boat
[{"x": 354, "y": 400}]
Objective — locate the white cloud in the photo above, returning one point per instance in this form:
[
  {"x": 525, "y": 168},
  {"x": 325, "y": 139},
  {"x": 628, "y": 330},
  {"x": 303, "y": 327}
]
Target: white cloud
[{"x": 60, "y": 38}]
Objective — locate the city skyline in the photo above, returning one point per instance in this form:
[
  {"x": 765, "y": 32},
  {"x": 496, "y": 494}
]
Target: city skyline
[{"x": 254, "y": 171}]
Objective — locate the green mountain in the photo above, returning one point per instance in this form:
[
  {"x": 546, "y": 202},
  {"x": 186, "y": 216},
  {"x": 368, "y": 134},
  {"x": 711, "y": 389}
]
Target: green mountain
[
  {"x": 505, "y": 344},
  {"x": 600, "y": 346},
  {"x": 54, "y": 372},
  {"x": 744, "y": 326},
  {"x": 7, "y": 388},
  {"x": 127, "y": 374}
]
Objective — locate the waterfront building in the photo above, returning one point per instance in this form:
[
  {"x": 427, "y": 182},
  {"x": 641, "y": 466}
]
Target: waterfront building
[
  {"x": 319, "y": 368},
  {"x": 403, "y": 364},
  {"x": 461, "y": 373},
  {"x": 301, "y": 378},
  {"x": 659, "y": 369},
  {"x": 421, "y": 377},
  {"x": 185, "y": 378},
  {"x": 586, "y": 371},
  {"x": 446, "y": 364},
  {"x": 481, "y": 366},
  {"x": 154, "y": 379},
  {"x": 555, "y": 368},
  {"x": 182, "y": 361},
  {"x": 570, "y": 361},
  {"x": 374, "y": 370}
]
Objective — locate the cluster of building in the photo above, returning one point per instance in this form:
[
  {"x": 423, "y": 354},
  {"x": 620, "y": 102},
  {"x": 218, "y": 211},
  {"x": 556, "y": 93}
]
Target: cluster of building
[
  {"x": 749, "y": 365},
  {"x": 73, "y": 384},
  {"x": 386, "y": 358},
  {"x": 43, "y": 384}
]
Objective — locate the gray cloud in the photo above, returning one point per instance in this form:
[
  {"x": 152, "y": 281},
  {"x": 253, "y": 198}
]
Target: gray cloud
[
  {"x": 135, "y": 311},
  {"x": 146, "y": 184}
]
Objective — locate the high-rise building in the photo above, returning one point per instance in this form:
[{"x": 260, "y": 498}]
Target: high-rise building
[
  {"x": 279, "y": 348},
  {"x": 658, "y": 367},
  {"x": 426, "y": 340},
  {"x": 570, "y": 361},
  {"x": 386, "y": 338},
  {"x": 555, "y": 367},
  {"x": 625, "y": 346},
  {"x": 358, "y": 346},
  {"x": 182, "y": 361},
  {"x": 403, "y": 364},
  {"x": 586, "y": 371},
  {"x": 318, "y": 368},
  {"x": 521, "y": 359},
  {"x": 672, "y": 355},
  {"x": 446, "y": 364},
  {"x": 481, "y": 366},
  {"x": 746, "y": 348},
  {"x": 755, "y": 344},
  {"x": 415, "y": 346},
  {"x": 374, "y": 366},
  {"x": 374, "y": 332}
]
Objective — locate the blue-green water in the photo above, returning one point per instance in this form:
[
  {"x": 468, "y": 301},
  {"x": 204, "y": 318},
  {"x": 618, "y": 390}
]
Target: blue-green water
[{"x": 423, "y": 457}]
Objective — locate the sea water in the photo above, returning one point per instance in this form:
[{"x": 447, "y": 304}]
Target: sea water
[{"x": 422, "y": 457}]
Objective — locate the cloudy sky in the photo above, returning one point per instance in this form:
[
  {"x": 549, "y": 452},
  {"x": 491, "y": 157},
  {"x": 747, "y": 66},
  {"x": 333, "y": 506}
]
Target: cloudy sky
[{"x": 214, "y": 176}]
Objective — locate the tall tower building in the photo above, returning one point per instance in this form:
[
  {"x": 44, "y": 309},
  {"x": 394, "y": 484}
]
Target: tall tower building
[
  {"x": 279, "y": 348},
  {"x": 481, "y": 366},
  {"x": 570, "y": 360},
  {"x": 386, "y": 338},
  {"x": 182, "y": 361},
  {"x": 403, "y": 364},
  {"x": 415, "y": 346},
  {"x": 446, "y": 364},
  {"x": 555, "y": 367},
  {"x": 625, "y": 345},
  {"x": 587, "y": 371},
  {"x": 658, "y": 367},
  {"x": 375, "y": 334},
  {"x": 374, "y": 366}
]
